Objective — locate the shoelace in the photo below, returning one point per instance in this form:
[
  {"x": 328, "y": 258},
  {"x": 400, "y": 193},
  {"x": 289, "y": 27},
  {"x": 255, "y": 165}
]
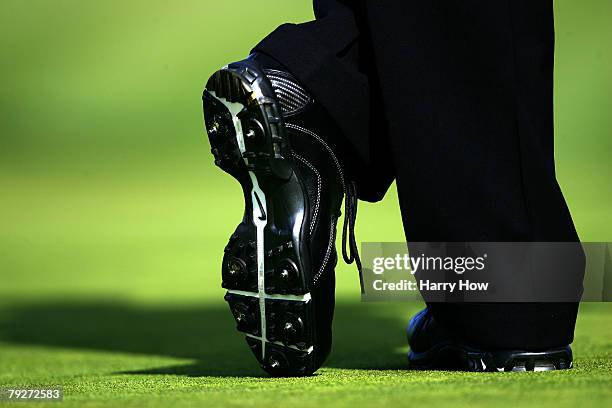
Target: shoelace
[{"x": 348, "y": 231}]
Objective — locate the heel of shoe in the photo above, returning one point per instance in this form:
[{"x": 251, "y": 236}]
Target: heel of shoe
[{"x": 243, "y": 90}]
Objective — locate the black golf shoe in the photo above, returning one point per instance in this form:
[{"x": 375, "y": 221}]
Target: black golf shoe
[
  {"x": 267, "y": 132},
  {"x": 433, "y": 348}
]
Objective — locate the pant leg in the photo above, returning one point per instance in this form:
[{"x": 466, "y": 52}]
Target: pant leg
[
  {"x": 466, "y": 119},
  {"x": 331, "y": 58},
  {"x": 467, "y": 87}
]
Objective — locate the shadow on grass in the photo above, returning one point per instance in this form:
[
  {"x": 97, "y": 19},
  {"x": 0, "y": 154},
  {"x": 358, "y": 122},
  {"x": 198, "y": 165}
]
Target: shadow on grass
[{"x": 366, "y": 336}]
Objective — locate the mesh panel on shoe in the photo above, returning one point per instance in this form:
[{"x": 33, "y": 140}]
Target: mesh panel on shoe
[{"x": 291, "y": 96}]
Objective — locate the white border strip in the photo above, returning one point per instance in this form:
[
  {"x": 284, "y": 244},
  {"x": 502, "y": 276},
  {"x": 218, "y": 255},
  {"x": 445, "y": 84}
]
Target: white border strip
[{"x": 293, "y": 298}]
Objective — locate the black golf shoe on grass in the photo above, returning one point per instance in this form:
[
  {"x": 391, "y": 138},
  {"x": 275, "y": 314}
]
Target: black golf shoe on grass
[
  {"x": 267, "y": 132},
  {"x": 433, "y": 348}
]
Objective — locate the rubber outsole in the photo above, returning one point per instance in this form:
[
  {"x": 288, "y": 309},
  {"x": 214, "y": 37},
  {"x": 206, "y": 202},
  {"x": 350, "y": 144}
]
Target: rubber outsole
[
  {"x": 461, "y": 358},
  {"x": 268, "y": 289}
]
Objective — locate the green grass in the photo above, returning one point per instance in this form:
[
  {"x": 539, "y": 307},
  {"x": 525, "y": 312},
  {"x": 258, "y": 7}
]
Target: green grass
[
  {"x": 113, "y": 218},
  {"x": 136, "y": 353}
]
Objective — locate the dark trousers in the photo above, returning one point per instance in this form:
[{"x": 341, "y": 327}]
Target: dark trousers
[{"x": 453, "y": 100}]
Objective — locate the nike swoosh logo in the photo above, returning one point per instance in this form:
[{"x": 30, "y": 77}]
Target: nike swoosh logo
[{"x": 263, "y": 216}]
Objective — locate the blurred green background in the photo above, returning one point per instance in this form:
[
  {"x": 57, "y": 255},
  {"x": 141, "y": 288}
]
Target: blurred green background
[{"x": 113, "y": 217}]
